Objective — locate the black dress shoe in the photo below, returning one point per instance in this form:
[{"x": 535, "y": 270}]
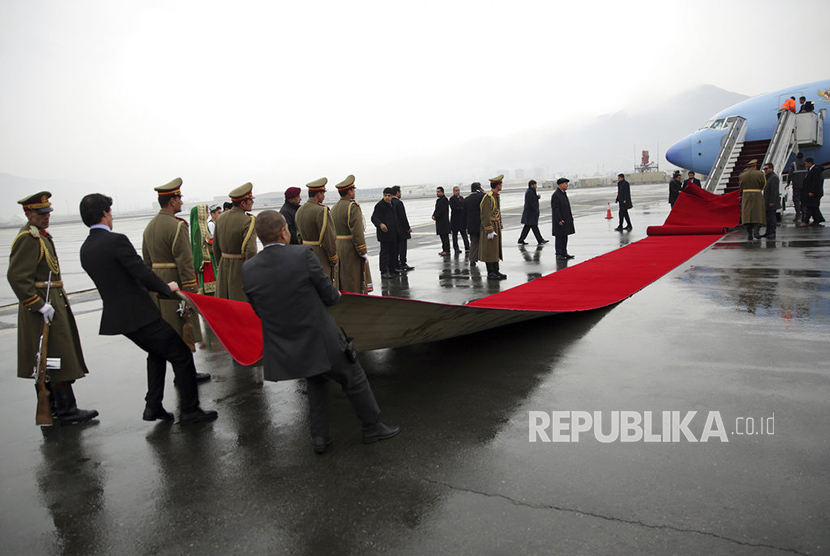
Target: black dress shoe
[
  {"x": 502, "y": 276},
  {"x": 629, "y": 228},
  {"x": 561, "y": 258},
  {"x": 202, "y": 377},
  {"x": 321, "y": 444},
  {"x": 522, "y": 243},
  {"x": 386, "y": 275},
  {"x": 379, "y": 432},
  {"x": 197, "y": 415},
  {"x": 618, "y": 229},
  {"x": 544, "y": 241},
  {"x": 407, "y": 267},
  {"x": 153, "y": 413},
  {"x": 569, "y": 256}
]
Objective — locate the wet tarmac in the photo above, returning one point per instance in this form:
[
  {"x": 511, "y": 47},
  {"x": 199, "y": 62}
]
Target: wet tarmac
[{"x": 741, "y": 329}]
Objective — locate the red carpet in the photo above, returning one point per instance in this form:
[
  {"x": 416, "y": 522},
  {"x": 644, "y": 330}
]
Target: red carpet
[{"x": 697, "y": 220}]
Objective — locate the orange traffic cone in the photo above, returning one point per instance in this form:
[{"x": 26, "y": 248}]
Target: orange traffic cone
[{"x": 608, "y": 213}]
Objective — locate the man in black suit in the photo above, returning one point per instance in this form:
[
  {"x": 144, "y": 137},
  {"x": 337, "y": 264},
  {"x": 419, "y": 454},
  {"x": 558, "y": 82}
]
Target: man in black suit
[
  {"x": 530, "y": 215},
  {"x": 385, "y": 220},
  {"x": 812, "y": 192},
  {"x": 124, "y": 283},
  {"x": 563, "y": 219},
  {"x": 624, "y": 200},
  {"x": 283, "y": 280},
  {"x": 692, "y": 179},
  {"x": 404, "y": 231},
  {"x": 472, "y": 208}
]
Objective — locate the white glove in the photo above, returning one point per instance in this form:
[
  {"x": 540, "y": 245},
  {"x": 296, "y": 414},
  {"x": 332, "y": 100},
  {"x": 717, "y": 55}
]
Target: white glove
[
  {"x": 491, "y": 235},
  {"x": 365, "y": 257},
  {"x": 47, "y": 311}
]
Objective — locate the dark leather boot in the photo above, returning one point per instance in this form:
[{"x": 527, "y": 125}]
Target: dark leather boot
[{"x": 67, "y": 408}]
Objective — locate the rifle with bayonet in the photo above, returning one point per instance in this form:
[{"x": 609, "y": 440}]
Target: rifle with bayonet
[{"x": 43, "y": 414}]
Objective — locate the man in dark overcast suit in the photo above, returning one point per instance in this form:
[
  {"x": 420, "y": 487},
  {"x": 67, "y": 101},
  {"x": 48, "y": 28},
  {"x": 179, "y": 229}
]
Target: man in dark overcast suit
[
  {"x": 290, "y": 293},
  {"x": 124, "y": 283}
]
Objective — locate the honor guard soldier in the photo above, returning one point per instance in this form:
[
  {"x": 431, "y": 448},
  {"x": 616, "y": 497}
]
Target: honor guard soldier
[
  {"x": 34, "y": 270},
  {"x": 315, "y": 227},
  {"x": 234, "y": 243},
  {"x": 167, "y": 252},
  {"x": 352, "y": 257},
  {"x": 490, "y": 245}
]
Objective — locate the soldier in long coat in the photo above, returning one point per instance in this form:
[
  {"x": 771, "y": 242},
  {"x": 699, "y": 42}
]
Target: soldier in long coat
[
  {"x": 316, "y": 228},
  {"x": 167, "y": 251},
  {"x": 352, "y": 256},
  {"x": 234, "y": 243},
  {"x": 753, "y": 213},
  {"x": 490, "y": 243},
  {"x": 32, "y": 258}
]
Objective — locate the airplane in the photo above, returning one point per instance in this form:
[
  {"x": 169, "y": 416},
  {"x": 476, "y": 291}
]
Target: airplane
[{"x": 699, "y": 150}]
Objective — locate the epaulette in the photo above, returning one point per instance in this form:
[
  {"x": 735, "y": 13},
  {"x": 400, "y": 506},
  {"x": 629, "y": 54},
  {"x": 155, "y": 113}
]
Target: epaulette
[{"x": 34, "y": 231}]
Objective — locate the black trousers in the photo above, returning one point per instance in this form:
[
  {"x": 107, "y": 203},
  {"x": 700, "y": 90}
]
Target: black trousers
[
  {"x": 771, "y": 222},
  {"x": 163, "y": 344},
  {"x": 474, "y": 241},
  {"x": 527, "y": 229},
  {"x": 388, "y": 255},
  {"x": 445, "y": 243},
  {"x": 624, "y": 215},
  {"x": 797, "y": 200},
  {"x": 353, "y": 381},
  {"x": 812, "y": 212},
  {"x": 455, "y": 240},
  {"x": 561, "y": 245},
  {"x": 400, "y": 259}
]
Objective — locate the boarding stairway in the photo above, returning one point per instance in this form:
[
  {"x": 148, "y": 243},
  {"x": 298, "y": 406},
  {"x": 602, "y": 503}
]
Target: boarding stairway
[{"x": 793, "y": 131}]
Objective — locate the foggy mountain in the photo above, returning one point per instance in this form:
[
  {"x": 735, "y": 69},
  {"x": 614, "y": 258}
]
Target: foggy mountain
[
  {"x": 612, "y": 142},
  {"x": 607, "y": 144}
]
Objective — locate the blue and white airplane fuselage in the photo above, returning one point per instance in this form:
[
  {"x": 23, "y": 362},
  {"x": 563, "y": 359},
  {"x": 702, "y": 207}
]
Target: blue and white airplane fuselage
[{"x": 699, "y": 150}]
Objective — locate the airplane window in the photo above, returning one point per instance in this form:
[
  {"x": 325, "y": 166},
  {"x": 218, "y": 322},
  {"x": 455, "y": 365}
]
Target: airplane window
[{"x": 718, "y": 124}]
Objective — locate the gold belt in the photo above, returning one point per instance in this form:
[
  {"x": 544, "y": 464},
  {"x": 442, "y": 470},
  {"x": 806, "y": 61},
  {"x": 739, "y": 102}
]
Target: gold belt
[
  {"x": 233, "y": 256},
  {"x": 344, "y": 237},
  {"x": 44, "y": 285},
  {"x": 307, "y": 242},
  {"x": 164, "y": 265},
  {"x": 753, "y": 190}
]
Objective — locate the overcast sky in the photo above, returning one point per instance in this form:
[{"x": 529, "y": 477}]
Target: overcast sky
[{"x": 129, "y": 95}]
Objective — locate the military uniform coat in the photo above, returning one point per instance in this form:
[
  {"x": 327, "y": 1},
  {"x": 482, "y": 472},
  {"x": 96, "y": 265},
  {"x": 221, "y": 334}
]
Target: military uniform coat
[
  {"x": 316, "y": 229},
  {"x": 351, "y": 244},
  {"x": 751, "y": 183},
  {"x": 560, "y": 208},
  {"x": 489, "y": 250},
  {"x": 289, "y": 280},
  {"x": 167, "y": 252},
  {"x": 233, "y": 243},
  {"x": 32, "y": 256}
]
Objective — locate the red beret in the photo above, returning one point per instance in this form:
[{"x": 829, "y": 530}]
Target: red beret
[{"x": 292, "y": 192}]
